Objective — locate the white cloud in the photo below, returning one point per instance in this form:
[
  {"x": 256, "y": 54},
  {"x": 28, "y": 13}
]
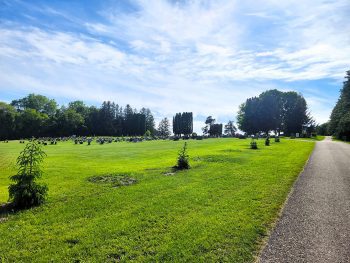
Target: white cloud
[{"x": 200, "y": 56}]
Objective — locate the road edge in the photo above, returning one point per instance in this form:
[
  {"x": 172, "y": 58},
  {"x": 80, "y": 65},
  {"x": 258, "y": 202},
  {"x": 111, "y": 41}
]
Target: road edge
[{"x": 263, "y": 243}]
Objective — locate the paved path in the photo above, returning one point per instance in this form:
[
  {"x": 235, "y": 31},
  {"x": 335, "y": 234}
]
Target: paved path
[{"x": 315, "y": 223}]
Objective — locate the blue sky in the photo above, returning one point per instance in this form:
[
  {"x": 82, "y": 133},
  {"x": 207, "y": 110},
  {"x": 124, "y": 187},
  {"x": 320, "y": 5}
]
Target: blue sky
[{"x": 201, "y": 56}]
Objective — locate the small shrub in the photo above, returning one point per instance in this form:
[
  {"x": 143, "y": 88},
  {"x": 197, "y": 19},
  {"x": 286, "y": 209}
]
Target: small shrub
[
  {"x": 148, "y": 133},
  {"x": 277, "y": 139},
  {"x": 253, "y": 145},
  {"x": 267, "y": 141},
  {"x": 26, "y": 192},
  {"x": 183, "y": 159}
]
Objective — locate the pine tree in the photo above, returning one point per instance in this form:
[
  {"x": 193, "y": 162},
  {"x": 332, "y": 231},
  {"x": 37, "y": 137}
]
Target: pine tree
[
  {"x": 164, "y": 128},
  {"x": 339, "y": 124},
  {"x": 26, "y": 192},
  {"x": 230, "y": 129}
]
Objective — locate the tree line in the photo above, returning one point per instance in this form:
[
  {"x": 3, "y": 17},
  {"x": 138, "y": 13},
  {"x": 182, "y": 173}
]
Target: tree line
[
  {"x": 38, "y": 116},
  {"x": 339, "y": 123},
  {"x": 183, "y": 123},
  {"x": 273, "y": 110}
]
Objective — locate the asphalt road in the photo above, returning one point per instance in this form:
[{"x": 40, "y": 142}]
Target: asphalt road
[{"x": 315, "y": 222}]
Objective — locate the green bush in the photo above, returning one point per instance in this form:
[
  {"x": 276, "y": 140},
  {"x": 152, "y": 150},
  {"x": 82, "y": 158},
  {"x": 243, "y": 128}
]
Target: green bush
[
  {"x": 26, "y": 192},
  {"x": 183, "y": 159},
  {"x": 253, "y": 145},
  {"x": 277, "y": 139},
  {"x": 148, "y": 133},
  {"x": 267, "y": 141}
]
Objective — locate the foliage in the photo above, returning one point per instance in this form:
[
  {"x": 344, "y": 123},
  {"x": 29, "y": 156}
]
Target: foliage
[
  {"x": 39, "y": 116},
  {"x": 164, "y": 128},
  {"x": 150, "y": 124},
  {"x": 70, "y": 122},
  {"x": 183, "y": 159},
  {"x": 274, "y": 111},
  {"x": 26, "y": 192},
  {"x": 267, "y": 141},
  {"x": 208, "y": 122},
  {"x": 215, "y": 129},
  {"x": 30, "y": 123},
  {"x": 148, "y": 133},
  {"x": 343, "y": 129},
  {"x": 339, "y": 124},
  {"x": 36, "y": 102},
  {"x": 183, "y": 123},
  {"x": 248, "y": 116},
  {"x": 295, "y": 113},
  {"x": 323, "y": 129},
  {"x": 7, "y": 120},
  {"x": 277, "y": 139},
  {"x": 253, "y": 144},
  {"x": 212, "y": 128},
  {"x": 230, "y": 129}
]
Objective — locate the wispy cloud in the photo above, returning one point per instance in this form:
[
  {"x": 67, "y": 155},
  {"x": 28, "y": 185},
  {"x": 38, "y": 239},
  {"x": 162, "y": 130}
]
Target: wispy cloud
[{"x": 203, "y": 56}]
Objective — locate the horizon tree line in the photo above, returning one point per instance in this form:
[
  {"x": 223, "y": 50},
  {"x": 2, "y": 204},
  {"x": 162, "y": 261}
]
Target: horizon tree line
[
  {"x": 38, "y": 116},
  {"x": 339, "y": 123}
]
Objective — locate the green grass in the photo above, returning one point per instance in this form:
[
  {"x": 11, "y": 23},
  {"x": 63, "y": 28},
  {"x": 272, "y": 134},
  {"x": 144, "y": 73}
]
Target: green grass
[
  {"x": 218, "y": 211},
  {"x": 317, "y": 138}
]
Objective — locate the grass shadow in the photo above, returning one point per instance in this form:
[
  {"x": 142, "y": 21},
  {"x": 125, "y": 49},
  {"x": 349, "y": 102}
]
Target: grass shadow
[{"x": 6, "y": 209}]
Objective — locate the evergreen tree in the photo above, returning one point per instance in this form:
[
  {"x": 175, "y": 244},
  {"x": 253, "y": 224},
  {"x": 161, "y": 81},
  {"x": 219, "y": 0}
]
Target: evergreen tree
[
  {"x": 339, "y": 124},
  {"x": 186, "y": 123},
  {"x": 26, "y": 192},
  {"x": 7, "y": 121},
  {"x": 230, "y": 129},
  {"x": 183, "y": 123},
  {"x": 164, "y": 128},
  {"x": 150, "y": 124}
]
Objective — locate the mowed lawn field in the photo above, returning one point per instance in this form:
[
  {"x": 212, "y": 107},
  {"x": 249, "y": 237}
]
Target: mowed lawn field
[{"x": 218, "y": 211}]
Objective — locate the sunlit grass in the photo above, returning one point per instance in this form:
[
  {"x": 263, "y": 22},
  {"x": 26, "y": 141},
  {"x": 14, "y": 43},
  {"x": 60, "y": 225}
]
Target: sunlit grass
[{"x": 219, "y": 210}]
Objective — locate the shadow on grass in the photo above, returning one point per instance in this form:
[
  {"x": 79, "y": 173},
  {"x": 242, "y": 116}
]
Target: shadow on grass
[
  {"x": 5, "y": 210},
  {"x": 175, "y": 169}
]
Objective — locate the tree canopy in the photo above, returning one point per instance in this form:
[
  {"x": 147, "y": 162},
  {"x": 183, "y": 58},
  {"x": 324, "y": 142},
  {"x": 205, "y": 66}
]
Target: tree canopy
[
  {"x": 39, "y": 116},
  {"x": 183, "y": 123},
  {"x": 339, "y": 123},
  {"x": 274, "y": 110}
]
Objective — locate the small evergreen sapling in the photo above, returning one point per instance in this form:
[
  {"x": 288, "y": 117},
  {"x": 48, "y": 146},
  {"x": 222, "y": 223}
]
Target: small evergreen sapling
[
  {"x": 183, "y": 159},
  {"x": 253, "y": 144},
  {"x": 25, "y": 192}
]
